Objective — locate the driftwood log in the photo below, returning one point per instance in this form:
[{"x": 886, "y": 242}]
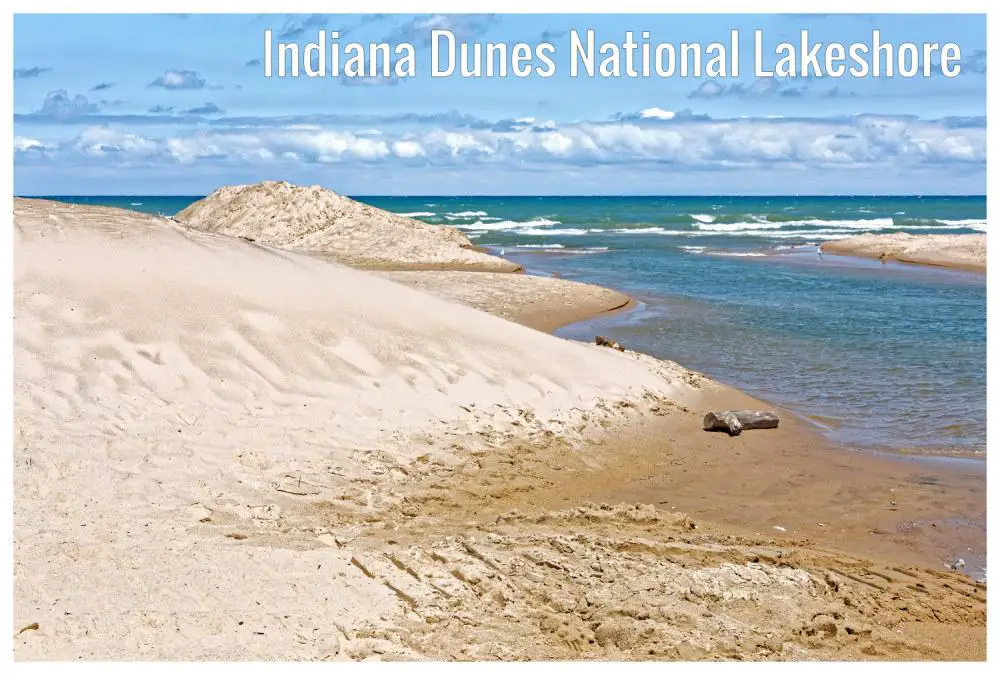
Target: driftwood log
[
  {"x": 602, "y": 341},
  {"x": 735, "y": 421}
]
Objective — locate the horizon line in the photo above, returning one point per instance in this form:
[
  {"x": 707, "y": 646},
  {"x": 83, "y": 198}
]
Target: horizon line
[{"x": 544, "y": 196}]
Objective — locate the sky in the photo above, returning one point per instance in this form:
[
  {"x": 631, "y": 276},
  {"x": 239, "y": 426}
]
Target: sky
[{"x": 180, "y": 104}]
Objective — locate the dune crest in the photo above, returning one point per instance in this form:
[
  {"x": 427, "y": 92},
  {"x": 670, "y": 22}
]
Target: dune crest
[{"x": 316, "y": 220}]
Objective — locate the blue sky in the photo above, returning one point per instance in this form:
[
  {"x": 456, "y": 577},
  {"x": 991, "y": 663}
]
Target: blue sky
[{"x": 179, "y": 104}]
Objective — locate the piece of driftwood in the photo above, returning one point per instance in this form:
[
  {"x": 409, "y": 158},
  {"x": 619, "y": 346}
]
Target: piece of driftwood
[
  {"x": 735, "y": 421},
  {"x": 602, "y": 341}
]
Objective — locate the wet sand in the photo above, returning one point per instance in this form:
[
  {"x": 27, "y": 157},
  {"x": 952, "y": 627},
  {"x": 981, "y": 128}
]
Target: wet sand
[{"x": 913, "y": 509}]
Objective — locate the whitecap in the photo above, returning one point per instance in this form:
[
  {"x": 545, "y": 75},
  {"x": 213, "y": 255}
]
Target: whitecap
[
  {"x": 737, "y": 227},
  {"x": 568, "y": 232},
  {"x": 643, "y": 230},
  {"x": 971, "y": 223},
  {"x": 738, "y": 254},
  {"x": 484, "y": 224}
]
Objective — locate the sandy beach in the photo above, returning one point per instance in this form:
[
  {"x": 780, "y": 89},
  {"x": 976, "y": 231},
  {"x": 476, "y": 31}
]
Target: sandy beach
[
  {"x": 230, "y": 445},
  {"x": 543, "y": 303},
  {"x": 954, "y": 251}
]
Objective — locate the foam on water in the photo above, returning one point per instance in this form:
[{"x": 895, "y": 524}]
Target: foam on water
[
  {"x": 565, "y": 232},
  {"x": 491, "y": 224}
]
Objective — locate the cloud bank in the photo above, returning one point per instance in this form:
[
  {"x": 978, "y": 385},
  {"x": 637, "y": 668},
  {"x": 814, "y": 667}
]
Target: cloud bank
[{"x": 651, "y": 136}]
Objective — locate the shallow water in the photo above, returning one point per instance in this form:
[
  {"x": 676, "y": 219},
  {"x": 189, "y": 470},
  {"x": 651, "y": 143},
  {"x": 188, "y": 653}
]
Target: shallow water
[{"x": 878, "y": 355}]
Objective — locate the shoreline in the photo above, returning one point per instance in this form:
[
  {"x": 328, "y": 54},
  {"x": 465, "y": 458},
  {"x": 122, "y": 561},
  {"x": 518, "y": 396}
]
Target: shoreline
[
  {"x": 813, "y": 451},
  {"x": 812, "y": 421}
]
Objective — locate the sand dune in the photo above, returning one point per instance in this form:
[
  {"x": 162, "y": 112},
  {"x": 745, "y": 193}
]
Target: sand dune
[
  {"x": 320, "y": 221},
  {"x": 173, "y": 386},
  {"x": 225, "y": 450},
  {"x": 959, "y": 251}
]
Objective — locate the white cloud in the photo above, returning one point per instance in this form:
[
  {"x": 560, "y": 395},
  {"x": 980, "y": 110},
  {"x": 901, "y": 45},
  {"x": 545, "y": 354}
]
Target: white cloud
[
  {"x": 23, "y": 144},
  {"x": 864, "y": 140},
  {"x": 656, "y": 114},
  {"x": 105, "y": 141},
  {"x": 407, "y": 149},
  {"x": 179, "y": 79}
]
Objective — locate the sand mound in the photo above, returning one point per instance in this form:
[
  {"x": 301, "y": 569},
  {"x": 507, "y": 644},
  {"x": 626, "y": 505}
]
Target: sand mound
[
  {"x": 316, "y": 220},
  {"x": 962, "y": 251},
  {"x": 175, "y": 386},
  {"x": 544, "y": 303}
]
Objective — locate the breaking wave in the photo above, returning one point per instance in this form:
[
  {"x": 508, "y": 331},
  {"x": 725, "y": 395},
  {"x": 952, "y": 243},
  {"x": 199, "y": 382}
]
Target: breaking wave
[{"x": 488, "y": 224}]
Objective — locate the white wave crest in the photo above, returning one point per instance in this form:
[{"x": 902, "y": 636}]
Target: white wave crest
[
  {"x": 738, "y": 254},
  {"x": 970, "y": 223},
  {"x": 466, "y": 214},
  {"x": 418, "y": 214},
  {"x": 702, "y": 217},
  {"x": 487, "y": 224},
  {"x": 763, "y": 224},
  {"x": 642, "y": 230},
  {"x": 736, "y": 227},
  {"x": 568, "y": 232}
]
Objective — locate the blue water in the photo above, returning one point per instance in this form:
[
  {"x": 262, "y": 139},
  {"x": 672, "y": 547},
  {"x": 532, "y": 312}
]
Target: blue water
[{"x": 878, "y": 355}]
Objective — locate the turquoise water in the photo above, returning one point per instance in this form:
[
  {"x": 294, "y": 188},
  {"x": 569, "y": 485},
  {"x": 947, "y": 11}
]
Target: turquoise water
[{"x": 878, "y": 355}]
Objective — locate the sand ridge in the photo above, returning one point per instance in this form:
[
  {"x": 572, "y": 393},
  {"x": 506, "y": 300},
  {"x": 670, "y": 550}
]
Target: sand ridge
[
  {"x": 320, "y": 221},
  {"x": 958, "y": 251}
]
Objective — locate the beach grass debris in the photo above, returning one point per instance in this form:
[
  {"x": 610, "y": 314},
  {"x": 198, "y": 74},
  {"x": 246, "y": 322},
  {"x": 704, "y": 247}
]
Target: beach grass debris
[{"x": 30, "y": 626}]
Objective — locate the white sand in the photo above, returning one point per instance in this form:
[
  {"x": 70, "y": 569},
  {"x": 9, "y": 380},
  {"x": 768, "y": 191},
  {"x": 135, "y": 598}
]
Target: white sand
[
  {"x": 960, "y": 251},
  {"x": 173, "y": 387},
  {"x": 317, "y": 220},
  {"x": 545, "y": 303}
]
